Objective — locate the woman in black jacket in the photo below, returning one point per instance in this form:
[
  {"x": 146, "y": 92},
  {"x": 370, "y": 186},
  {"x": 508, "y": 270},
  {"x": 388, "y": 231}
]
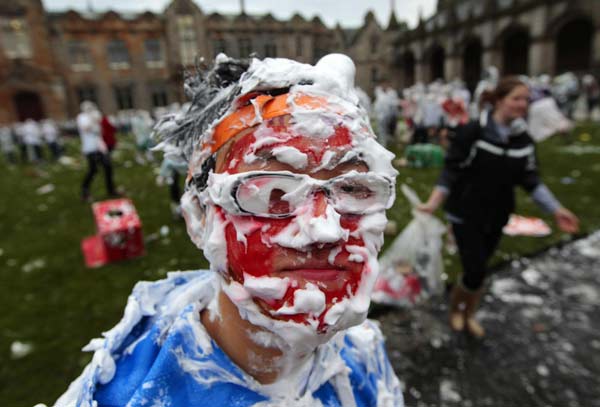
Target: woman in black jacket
[{"x": 486, "y": 160}]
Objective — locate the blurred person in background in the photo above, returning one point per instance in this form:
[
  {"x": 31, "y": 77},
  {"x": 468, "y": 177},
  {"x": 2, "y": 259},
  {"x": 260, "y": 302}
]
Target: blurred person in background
[
  {"x": 32, "y": 137},
  {"x": 386, "y": 110},
  {"x": 108, "y": 131},
  {"x": 141, "y": 126},
  {"x": 20, "y": 139},
  {"x": 486, "y": 160},
  {"x": 94, "y": 149},
  {"x": 170, "y": 173},
  {"x": 592, "y": 93},
  {"x": 51, "y": 134},
  {"x": 7, "y": 145}
]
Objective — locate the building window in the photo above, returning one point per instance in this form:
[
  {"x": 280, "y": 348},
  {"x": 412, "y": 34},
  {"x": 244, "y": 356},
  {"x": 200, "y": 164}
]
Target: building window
[
  {"x": 15, "y": 38},
  {"x": 118, "y": 55},
  {"x": 270, "y": 48},
  {"x": 187, "y": 39},
  {"x": 79, "y": 56},
  {"x": 86, "y": 93},
  {"x": 374, "y": 42},
  {"x": 374, "y": 75},
  {"x": 124, "y": 97},
  {"x": 245, "y": 47},
  {"x": 159, "y": 97},
  {"x": 298, "y": 45},
  {"x": 505, "y": 3},
  {"x": 219, "y": 45},
  {"x": 153, "y": 52},
  {"x": 320, "y": 50}
]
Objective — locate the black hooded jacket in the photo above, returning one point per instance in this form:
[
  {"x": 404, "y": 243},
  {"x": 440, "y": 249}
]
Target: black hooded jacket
[{"x": 482, "y": 169}]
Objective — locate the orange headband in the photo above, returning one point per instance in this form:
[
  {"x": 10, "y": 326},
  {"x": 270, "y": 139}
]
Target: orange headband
[{"x": 264, "y": 106}]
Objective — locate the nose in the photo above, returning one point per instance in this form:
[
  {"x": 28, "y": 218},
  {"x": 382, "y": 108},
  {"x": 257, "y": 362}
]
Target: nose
[
  {"x": 319, "y": 203},
  {"x": 315, "y": 227},
  {"x": 324, "y": 223}
]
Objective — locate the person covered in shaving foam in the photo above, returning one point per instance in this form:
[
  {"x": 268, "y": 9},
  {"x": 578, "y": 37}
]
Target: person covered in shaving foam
[{"x": 286, "y": 196}]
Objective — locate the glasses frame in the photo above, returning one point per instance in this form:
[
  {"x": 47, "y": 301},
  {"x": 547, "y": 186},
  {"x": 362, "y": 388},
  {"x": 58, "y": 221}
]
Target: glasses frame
[{"x": 314, "y": 184}]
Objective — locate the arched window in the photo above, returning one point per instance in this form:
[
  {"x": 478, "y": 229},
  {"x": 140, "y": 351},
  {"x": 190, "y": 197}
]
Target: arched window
[
  {"x": 28, "y": 106},
  {"x": 574, "y": 46},
  {"x": 515, "y": 52},
  {"x": 472, "y": 63},
  {"x": 437, "y": 60},
  {"x": 186, "y": 32},
  {"x": 118, "y": 54},
  {"x": 408, "y": 68}
]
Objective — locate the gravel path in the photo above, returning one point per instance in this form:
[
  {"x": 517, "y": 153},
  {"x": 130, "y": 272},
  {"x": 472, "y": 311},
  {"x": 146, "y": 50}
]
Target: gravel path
[{"x": 542, "y": 348}]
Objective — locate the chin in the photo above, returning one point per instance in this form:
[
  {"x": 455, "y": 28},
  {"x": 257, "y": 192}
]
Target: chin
[{"x": 336, "y": 315}]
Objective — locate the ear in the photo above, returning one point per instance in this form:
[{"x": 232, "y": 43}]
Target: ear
[{"x": 194, "y": 214}]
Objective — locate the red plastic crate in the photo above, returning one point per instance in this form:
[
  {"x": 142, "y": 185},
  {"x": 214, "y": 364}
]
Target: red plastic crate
[
  {"x": 94, "y": 252},
  {"x": 120, "y": 229}
]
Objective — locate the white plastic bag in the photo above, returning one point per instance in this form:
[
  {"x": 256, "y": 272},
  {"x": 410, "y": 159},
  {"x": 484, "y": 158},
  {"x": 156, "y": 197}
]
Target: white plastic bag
[
  {"x": 545, "y": 119},
  {"x": 411, "y": 268}
]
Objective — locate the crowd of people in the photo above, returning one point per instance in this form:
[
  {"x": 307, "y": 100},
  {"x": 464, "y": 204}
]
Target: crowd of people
[
  {"x": 489, "y": 141},
  {"x": 429, "y": 112},
  {"x": 43, "y": 142},
  {"x": 286, "y": 191},
  {"x": 26, "y": 141},
  {"x": 486, "y": 160}
]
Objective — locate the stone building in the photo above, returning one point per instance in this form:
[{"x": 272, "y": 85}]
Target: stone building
[
  {"x": 50, "y": 61},
  {"x": 30, "y": 85},
  {"x": 518, "y": 36},
  {"x": 371, "y": 47},
  {"x": 115, "y": 60},
  {"x": 191, "y": 33}
]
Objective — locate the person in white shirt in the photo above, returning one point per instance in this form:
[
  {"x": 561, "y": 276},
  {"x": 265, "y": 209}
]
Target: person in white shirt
[
  {"x": 94, "y": 149},
  {"x": 386, "y": 111},
  {"x": 51, "y": 137},
  {"x": 7, "y": 144},
  {"x": 32, "y": 137}
]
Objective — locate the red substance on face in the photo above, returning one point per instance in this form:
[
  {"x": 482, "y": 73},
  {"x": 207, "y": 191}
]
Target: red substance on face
[
  {"x": 258, "y": 257},
  {"x": 313, "y": 147},
  {"x": 235, "y": 155}
]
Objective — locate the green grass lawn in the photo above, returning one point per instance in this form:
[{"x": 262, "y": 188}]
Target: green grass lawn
[{"x": 52, "y": 302}]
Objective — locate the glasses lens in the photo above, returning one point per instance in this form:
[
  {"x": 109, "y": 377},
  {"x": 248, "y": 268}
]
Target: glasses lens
[
  {"x": 360, "y": 193},
  {"x": 264, "y": 195}
]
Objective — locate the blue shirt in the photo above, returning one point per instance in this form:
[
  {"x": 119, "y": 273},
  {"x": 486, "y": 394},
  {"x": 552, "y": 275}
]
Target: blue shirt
[{"x": 159, "y": 354}]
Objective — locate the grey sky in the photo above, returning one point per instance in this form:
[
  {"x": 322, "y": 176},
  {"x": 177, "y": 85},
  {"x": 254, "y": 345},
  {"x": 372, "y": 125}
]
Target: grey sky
[{"x": 349, "y": 13}]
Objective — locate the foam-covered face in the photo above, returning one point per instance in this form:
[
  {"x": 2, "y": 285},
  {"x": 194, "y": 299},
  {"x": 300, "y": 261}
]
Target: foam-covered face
[{"x": 297, "y": 268}]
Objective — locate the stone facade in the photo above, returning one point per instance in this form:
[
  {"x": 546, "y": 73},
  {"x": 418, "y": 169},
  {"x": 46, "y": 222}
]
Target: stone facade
[
  {"x": 371, "y": 47},
  {"x": 30, "y": 85},
  {"x": 115, "y": 60},
  {"x": 130, "y": 61},
  {"x": 529, "y": 37},
  {"x": 50, "y": 62}
]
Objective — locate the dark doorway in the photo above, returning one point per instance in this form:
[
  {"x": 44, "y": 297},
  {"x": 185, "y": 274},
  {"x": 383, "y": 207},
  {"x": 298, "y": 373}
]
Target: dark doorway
[
  {"x": 437, "y": 62},
  {"x": 515, "y": 53},
  {"x": 574, "y": 46},
  {"x": 28, "y": 106},
  {"x": 408, "y": 68},
  {"x": 472, "y": 63}
]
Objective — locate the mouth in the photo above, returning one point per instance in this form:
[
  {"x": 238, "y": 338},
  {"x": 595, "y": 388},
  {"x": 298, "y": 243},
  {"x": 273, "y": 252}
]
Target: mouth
[{"x": 315, "y": 274}]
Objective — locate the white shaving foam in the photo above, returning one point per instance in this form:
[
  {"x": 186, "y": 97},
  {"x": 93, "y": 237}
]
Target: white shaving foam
[
  {"x": 291, "y": 156},
  {"x": 267, "y": 288}
]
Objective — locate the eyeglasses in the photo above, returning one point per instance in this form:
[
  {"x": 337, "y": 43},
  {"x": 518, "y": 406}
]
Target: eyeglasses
[{"x": 281, "y": 194}]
